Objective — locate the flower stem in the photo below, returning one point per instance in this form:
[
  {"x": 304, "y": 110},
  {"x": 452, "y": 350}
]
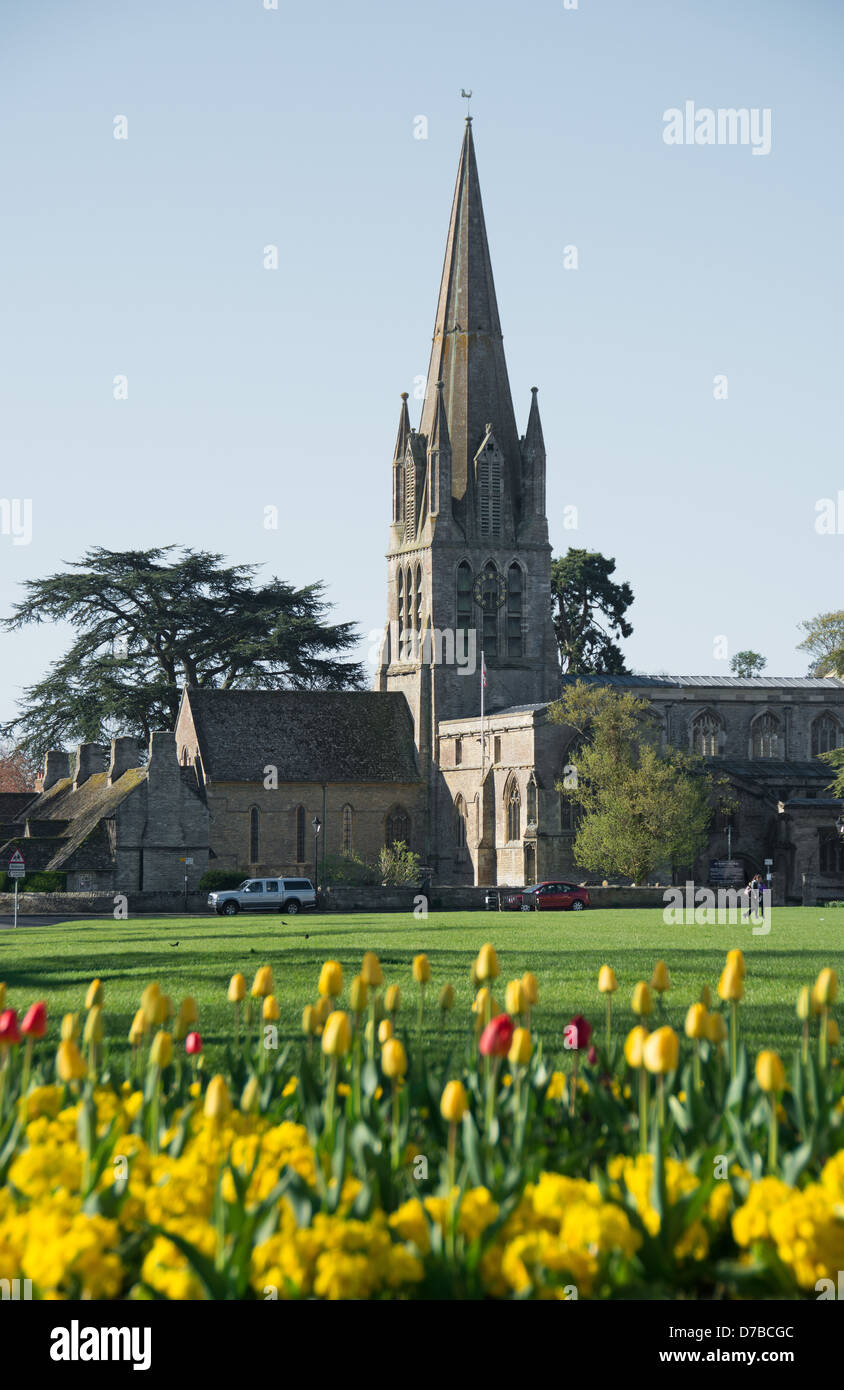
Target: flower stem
[{"x": 643, "y": 1111}]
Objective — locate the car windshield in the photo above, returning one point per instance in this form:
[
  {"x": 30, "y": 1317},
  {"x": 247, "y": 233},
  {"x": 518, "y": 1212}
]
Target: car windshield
[
  {"x": 245, "y": 884},
  {"x": 531, "y": 888}
]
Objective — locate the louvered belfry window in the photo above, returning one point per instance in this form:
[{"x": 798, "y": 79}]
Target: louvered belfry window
[{"x": 489, "y": 490}]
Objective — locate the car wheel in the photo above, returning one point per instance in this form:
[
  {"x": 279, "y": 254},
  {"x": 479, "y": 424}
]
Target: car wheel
[
  {"x": 230, "y": 909},
  {"x": 525, "y": 907},
  {"x": 577, "y": 905},
  {"x": 292, "y": 907}
]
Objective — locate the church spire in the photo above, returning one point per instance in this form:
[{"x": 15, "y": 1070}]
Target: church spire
[
  {"x": 468, "y": 350},
  {"x": 404, "y": 431},
  {"x": 398, "y": 462},
  {"x": 439, "y": 461}
]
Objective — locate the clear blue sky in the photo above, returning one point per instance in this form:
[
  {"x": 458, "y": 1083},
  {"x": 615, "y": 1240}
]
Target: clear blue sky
[{"x": 250, "y": 388}]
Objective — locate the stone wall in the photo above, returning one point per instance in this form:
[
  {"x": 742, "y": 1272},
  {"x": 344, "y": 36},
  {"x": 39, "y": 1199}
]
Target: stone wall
[{"x": 231, "y": 803}]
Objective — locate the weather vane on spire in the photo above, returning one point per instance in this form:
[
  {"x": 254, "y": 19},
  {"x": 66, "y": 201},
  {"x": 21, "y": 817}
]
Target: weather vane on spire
[{"x": 468, "y": 98}]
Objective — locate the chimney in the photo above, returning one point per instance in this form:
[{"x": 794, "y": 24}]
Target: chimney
[
  {"x": 163, "y": 757},
  {"x": 124, "y": 756},
  {"x": 90, "y": 759},
  {"x": 56, "y": 766}
]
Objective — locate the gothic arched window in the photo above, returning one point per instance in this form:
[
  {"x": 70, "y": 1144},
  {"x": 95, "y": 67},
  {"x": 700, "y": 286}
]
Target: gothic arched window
[
  {"x": 531, "y": 802},
  {"x": 397, "y": 827},
  {"x": 300, "y": 834},
  {"x": 825, "y": 734},
  {"x": 408, "y": 609},
  {"x": 514, "y": 811},
  {"x": 460, "y": 823},
  {"x": 346, "y": 828},
  {"x": 254, "y": 835},
  {"x": 514, "y": 610},
  {"x": 706, "y": 728},
  {"x": 464, "y": 596},
  {"x": 765, "y": 735},
  {"x": 417, "y": 606},
  {"x": 490, "y": 593},
  {"x": 400, "y": 593}
]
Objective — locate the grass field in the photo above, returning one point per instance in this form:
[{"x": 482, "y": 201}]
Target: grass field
[{"x": 198, "y": 956}]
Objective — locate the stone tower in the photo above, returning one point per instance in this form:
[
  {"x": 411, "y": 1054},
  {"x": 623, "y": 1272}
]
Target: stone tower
[{"x": 468, "y": 557}]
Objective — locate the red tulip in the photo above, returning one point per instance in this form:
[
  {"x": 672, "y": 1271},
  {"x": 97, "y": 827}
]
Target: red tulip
[
  {"x": 9, "y": 1030},
  {"x": 578, "y": 1033},
  {"x": 497, "y": 1036},
  {"x": 193, "y": 1044},
  {"x": 592, "y": 1055},
  {"x": 35, "y": 1020}
]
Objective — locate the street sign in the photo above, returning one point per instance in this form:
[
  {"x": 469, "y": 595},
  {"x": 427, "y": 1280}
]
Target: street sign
[
  {"x": 185, "y": 861},
  {"x": 17, "y": 865}
]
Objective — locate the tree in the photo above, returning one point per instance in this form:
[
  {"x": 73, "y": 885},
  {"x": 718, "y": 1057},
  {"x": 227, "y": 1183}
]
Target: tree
[
  {"x": 17, "y": 771},
  {"x": 824, "y": 641},
  {"x": 641, "y": 809},
  {"x": 589, "y": 612},
  {"x": 150, "y": 621},
  {"x": 748, "y": 663}
]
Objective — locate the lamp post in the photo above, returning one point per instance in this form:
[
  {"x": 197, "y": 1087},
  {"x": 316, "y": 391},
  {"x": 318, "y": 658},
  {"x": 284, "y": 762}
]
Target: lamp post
[{"x": 317, "y": 825}]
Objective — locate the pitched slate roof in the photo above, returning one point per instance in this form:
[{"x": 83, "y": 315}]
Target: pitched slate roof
[
  {"x": 309, "y": 736},
  {"x": 629, "y": 680},
  {"x": 79, "y": 839}
]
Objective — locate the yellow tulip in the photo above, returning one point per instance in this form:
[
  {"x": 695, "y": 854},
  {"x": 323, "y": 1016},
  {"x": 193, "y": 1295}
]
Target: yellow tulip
[
  {"x": 392, "y": 999},
  {"x": 447, "y": 998},
  {"x": 163, "y": 1008},
  {"x": 661, "y": 1051},
  {"x": 237, "y": 989},
  {"x": 660, "y": 980},
  {"x": 642, "y": 1003},
  {"x": 385, "y": 1030},
  {"x": 454, "y": 1102},
  {"x": 607, "y": 983},
  {"x": 421, "y": 969},
  {"x": 337, "y": 1036},
  {"x": 180, "y": 1029},
  {"x": 736, "y": 959},
  {"x": 331, "y": 979},
  {"x": 323, "y": 1009},
  {"x": 95, "y": 995},
  {"x": 696, "y": 1021},
  {"x": 716, "y": 1029},
  {"x": 770, "y": 1072},
  {"x": 188, "y": 1012},
  {"x": 262, "y": 985},
  {"x": 70, "y": 1028},
  {"x": 486, "y": 966},
  {"x": 250, "y": 1095},
  {"x": 161, "y": 1051},
  {"x": 706, "y": 997},
  {"x": 480, "y": 1002},
  {"x": 393, "y": 1059},
  {"x": 70, "y": 1064},
  {"x": 804, "y": 1004},
  {"x": 270, "y": 1011},
  {"x": 530, "y": 985},
  {"x": 633, "y": 1047},
  {"x": 93, "y": 1030},
  {"x": 833, "y": 1033},
  {"x": 310, "y": 1021},
  {"x": 730, "y": 986},
  {"x": 514, "y": 1000},
  {"x": 370, "y": 970},
  {"x": 358, "y": 994},
  {"x": 826, "y": 987},
  {"x": 217, "y": 1102},
  {"x": 138, "y": 1029},
  {"x": 520, "y": 1048},
  {"x": 149, "y": 1003}
]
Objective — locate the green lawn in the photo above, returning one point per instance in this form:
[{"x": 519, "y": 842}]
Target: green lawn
[{"x": 198, "y": 955}]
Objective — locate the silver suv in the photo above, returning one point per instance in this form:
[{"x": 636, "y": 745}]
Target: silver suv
[{"x": 288, "y": 895}]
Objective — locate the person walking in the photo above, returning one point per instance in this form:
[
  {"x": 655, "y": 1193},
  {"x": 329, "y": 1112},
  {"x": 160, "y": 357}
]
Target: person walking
[{"x": 754, "y": 891}]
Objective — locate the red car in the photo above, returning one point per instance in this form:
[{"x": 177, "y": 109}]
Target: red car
[{"x": 547, "y": 897}]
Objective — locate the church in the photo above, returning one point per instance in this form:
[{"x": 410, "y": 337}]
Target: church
[{"x": 286, "y": 779}]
